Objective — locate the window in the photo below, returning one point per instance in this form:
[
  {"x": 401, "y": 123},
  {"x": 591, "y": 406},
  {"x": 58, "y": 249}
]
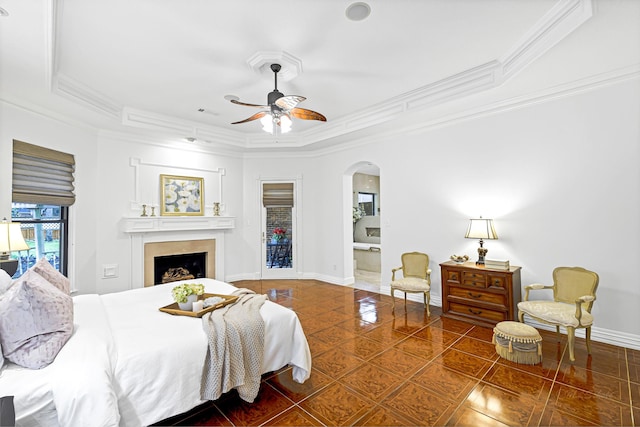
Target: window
[
  {"x": 366, "y": 201},
  {"x": 44, "y": 228},
  {"x": 42, "y": 191}
]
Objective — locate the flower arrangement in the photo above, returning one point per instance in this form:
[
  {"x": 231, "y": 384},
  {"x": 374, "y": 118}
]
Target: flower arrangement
[
  {"x": 278, "y": 233},
  {"x": 181, "y": 292},
  {"x": 358, "y": 213}
]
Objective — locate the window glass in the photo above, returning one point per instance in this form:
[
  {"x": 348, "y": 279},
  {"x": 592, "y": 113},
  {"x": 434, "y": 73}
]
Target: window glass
[
  {"x": 44, "y": 228},
  {"x": 366, "y": 201}
]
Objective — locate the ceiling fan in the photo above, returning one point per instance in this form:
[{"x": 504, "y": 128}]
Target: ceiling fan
[{"x": 279, "y": 109}]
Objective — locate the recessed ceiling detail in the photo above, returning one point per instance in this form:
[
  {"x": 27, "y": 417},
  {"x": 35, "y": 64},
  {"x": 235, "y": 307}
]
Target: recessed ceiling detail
[{"x": 261, "y": 62}]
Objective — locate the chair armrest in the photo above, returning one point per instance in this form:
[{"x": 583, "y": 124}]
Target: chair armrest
[
  {"x": 534, "y": 286},
  {"x": 586, "y": 298},
  {"x": 393, "y": 273},
  {"x": 428, "y": 278}
]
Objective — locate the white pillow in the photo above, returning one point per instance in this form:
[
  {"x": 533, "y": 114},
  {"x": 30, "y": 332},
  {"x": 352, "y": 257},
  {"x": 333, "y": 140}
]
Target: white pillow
[
  {"x": 5, "y": 281},
  {"x": 53, "y": 276},
  {"x": 36, "y": 320}
]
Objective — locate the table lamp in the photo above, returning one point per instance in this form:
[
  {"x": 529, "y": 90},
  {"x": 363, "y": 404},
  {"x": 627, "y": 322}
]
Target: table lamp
[
  {"x": 11, "y": 239},
  {"x": 481, "y": 228}
]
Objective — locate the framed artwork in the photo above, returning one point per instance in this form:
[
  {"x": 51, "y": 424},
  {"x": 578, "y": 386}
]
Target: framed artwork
[{"x": 181, "y": 195}]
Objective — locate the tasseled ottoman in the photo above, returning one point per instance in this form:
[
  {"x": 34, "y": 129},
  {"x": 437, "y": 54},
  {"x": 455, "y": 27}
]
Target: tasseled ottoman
[{"x": 518, "y": 342}]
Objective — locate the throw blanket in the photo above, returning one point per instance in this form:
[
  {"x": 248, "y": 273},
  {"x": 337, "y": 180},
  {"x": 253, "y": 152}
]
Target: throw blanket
[{"x": 236, "y": 345}]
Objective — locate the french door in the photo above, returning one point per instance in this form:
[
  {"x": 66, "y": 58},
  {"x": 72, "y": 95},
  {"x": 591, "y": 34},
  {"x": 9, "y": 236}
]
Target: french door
[{"x": 278, "y": 232}]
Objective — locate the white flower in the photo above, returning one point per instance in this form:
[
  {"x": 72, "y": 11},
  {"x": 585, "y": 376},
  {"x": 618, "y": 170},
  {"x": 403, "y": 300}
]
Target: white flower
[
  {"x": 170, "y": 197},
  {"x": 182, "y": 204}
]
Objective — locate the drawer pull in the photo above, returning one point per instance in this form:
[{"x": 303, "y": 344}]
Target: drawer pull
[
  {"x": 497, "y": 283},
  {"x": 477, "y": 313},
  {"x": 474, "y": 295},
  {"x": 454, "y": 277}
]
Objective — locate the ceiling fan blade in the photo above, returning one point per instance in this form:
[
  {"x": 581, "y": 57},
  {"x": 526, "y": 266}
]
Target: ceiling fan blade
[
  {"x": 290, "y": 101},
  {"x": 304, "y": 114},
  {"x": 256, "y": 116},
  {"x": 248, "y": 105}
]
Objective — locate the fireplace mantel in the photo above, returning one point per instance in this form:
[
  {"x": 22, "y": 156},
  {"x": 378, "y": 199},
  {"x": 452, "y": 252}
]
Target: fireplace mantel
[
  {"x": 151, "y": 224},
  {"x": 143, "y": 230}
]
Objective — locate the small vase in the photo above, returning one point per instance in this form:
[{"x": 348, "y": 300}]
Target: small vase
[{"x": 188, "y": 306}]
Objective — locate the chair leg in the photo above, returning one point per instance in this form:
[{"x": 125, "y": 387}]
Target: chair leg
[
  {"x": 571, "y": 335},
  {"x": 558, "y": 333},
  {"x": 393, "y": 302},
  {"x": 587, "y": 335},
  {"x": 405, "y": 301},
  {"x": 427, "y": 301}
]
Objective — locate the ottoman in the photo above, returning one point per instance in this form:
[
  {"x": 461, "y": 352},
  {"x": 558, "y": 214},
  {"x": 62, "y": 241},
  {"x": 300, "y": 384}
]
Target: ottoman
[{"x": 518, "y": 342}]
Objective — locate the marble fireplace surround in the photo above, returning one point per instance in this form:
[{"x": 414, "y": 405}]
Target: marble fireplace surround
[{"x": 159, "y": 236}]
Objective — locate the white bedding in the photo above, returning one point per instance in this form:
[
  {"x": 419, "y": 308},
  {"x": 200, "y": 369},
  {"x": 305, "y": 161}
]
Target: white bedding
[{"x": 130, "y": 364}]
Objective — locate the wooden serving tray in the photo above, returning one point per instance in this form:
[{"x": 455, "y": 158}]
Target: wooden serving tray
[{"x": 175, "y": 308}]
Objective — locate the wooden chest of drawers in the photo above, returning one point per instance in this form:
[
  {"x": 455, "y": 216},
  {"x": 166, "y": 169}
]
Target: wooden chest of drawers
[{"x": 479, "y": 295}]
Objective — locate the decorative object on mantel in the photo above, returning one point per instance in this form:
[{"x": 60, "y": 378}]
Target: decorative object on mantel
[
  {"x": 153, "y": 210},
  {"x": 459, "y": 258},
  {"x": 181, "y": 195},
  {"x": 186, "y": 294},
  {"x": 144, "y": 210},
  {"x": 216, "y": 208},
  {"x": 481, "y": 228}
]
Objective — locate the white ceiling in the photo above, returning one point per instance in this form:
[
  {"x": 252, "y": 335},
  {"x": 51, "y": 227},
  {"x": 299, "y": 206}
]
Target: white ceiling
[{"x": 150, "y": 65}]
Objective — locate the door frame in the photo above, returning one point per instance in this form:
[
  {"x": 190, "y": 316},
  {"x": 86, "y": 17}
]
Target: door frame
[{"x": 280, "y": 273}]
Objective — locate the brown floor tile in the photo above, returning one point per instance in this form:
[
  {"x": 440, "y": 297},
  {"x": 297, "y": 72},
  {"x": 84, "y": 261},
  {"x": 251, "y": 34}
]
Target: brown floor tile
[
  {"x": 336, "y": 362},
  {"x": 381, "y": 416},
  {"x": 399, "y": 362},
  {"x": 371, "y": 381},
  {"x": 519, "y": 382},
  {"x": 481, "y": 333},
  {"x": 337, "y": 405},
  {"x": 595, "y": 382},
  {"x": 452, "y": 325},
  {"x": 444, "y": 382},
  {"x": 386, "y": 334},
  {"x": 588, "y": 406},
  {"x": 318, "y": 346},
  {"x": 476, "y": 347},
  {"x": 635, "y": 397},
  {"x": 268, "y": 404},
  {"x": 294, "y": 417},
  {"x": 465, "y": 417},
  {"x": 333, "y": 335},
  {"x": 426, "y": 350},
  {"x": 464, "y": 363},
  {"x": 507, "y": 407},
  {"x": 437, "y": 335},
  {"x": 356, "y": 326},
  {"x": 419, "y": 405},
  {"x": 285, "y": 384},
  {"x": 634, "y": 371},
  {"x": 364, "y": 348}
]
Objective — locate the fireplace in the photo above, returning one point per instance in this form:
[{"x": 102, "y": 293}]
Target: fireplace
[
  {"x": 171, "y": 268},
  {"x": 178, "y": 260}
]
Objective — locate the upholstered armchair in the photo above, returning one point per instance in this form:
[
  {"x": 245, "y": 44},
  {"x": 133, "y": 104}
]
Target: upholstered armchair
[
  {"x": 416, "y": 278},
  {"x": 574, "y": 291}
]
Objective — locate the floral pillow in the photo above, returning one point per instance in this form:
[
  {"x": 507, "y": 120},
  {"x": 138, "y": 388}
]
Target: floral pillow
[
  {"x": 36, "y": 320},
  {"x": 53, "y": 276}
]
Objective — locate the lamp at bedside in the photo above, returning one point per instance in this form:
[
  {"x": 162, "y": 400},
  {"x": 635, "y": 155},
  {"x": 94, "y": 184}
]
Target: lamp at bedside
[
  {"x": 11, "y": 239},
  {"x": 481, "y": 228}
]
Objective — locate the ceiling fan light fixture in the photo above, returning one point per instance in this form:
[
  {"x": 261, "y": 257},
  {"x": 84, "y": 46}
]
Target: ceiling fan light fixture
[
  {"x": 285, "y": 123},
  {"x": 267, "y": 123}
]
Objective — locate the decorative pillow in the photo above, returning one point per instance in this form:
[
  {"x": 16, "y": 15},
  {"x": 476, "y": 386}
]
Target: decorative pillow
[
  {"x": 5, "y": 281},
  {"x": 36, "y": 320},
  {"x": 1, "y": 357},
  {"x": 53, "y": 276}
]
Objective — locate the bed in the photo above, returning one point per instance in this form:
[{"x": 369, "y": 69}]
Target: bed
[{"x": 129, "y": 364}]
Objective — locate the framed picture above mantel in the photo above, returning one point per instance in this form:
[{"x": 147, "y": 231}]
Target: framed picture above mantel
[{"x": 181, "y": 195}]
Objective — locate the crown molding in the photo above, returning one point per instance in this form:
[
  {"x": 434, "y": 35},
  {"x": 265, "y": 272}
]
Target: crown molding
[{"x": 561, "y": 20}]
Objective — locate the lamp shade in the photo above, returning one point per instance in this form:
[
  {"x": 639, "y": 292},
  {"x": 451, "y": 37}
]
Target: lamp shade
[
  {"x": 481, "y": 228},
  {"x": 11, "y": 238}
]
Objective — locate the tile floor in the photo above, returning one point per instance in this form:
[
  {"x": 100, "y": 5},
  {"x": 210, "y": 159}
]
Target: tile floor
[{"x": 371, "y": 368}]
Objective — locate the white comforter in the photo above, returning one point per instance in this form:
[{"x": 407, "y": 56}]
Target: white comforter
[{"x": 129, "y": 364}]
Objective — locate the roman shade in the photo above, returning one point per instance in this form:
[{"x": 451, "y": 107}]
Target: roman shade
[
  {"x": 42, "y": 175},
  {"x": 277, "y": 195}
]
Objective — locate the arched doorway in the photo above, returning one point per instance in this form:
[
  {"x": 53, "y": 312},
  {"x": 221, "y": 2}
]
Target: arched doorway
[{"x": 366, "y": 239}]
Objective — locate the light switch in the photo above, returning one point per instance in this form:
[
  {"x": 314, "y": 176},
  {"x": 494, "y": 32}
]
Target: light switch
[{"x": 109, "y": 271}]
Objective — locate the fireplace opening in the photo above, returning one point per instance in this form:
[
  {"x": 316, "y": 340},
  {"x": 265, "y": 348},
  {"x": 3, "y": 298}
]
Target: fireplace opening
[{"x": 171, "y": 268}]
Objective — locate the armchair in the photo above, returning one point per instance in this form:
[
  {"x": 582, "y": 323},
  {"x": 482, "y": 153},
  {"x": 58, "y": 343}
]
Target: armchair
[
  {"x": 416, "y": 278},
  {"x": 574, "y": 291}
]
